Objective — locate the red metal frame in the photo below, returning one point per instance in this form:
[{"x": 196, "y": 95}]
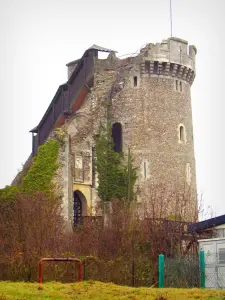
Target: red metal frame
[{"x": 60, "y": 259}]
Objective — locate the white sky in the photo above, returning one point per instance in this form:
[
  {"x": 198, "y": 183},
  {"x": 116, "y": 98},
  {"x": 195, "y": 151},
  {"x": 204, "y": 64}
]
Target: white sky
[{"x": 39, "y": 37}]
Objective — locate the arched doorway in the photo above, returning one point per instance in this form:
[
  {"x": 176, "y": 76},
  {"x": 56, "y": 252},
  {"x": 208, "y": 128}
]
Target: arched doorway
[{"x": 79, "y": 207}]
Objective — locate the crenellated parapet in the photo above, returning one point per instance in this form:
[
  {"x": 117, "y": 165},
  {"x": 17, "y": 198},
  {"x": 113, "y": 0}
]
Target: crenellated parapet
[{"x": 171, "y": 58}]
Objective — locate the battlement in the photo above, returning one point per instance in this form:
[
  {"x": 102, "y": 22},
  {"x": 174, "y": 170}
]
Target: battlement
[
  {"x": 172, "y": 57},
  {"x": 172, "y": 50}
]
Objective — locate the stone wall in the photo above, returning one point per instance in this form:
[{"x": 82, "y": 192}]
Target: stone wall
[{"x": 151, "y": 100}]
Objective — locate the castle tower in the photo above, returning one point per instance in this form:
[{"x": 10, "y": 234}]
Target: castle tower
[
  {"x": 150, "y": 96},
  {"x": 151, "y": 114},
  {"x": 154, "y": 109}
]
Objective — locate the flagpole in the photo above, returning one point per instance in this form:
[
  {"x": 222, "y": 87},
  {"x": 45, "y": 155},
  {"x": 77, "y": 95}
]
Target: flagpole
[{"x": 171, "y": 23}]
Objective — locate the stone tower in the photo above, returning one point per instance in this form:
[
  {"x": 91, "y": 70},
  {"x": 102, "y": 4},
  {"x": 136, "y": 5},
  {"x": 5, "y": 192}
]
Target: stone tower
[
  {"x": 151, "y": 113},
  {"x": 154, "y": 109}
]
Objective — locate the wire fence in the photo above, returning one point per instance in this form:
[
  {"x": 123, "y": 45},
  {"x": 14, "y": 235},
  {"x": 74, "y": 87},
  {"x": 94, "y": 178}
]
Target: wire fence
[
  {"x": 119, "y": 271},
  {"x": 182, "y": 271},
  {"x": 215, "y": 270},
  {"x": 131, "y": 273},
  {"x": 204, "y": 269}
]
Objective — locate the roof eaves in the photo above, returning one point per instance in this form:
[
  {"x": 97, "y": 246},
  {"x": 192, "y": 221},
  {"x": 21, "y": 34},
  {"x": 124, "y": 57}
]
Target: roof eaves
[
  {"x": 99, "y": 48},
  {"x": 34, "y": 130},
  {"x": 79, "y": 61},
  {"x": 50, "y": 105},
  {"x": 73, "y": 62},
  {"x": 207, "y": 224}
]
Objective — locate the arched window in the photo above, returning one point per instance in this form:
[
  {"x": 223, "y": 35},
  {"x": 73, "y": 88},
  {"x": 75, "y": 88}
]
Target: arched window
[
  {"x": 117, "y": 137},
  {"x": 181, "y": 134}
]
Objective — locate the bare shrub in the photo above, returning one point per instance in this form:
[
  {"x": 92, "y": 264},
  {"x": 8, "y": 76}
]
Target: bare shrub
[
  {"x": 31, "y": 228},
  {"x": 123, "y": 250}
]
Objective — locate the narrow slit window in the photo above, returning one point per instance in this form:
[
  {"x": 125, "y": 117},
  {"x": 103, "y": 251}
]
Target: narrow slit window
[
  {"x": 135, "y": 81},
  {"x": 177, "y": 85},
  {"x": 145, "y": 174},
  {"x": 182, "y": 133},
  {"x": 180, "y": 86}
]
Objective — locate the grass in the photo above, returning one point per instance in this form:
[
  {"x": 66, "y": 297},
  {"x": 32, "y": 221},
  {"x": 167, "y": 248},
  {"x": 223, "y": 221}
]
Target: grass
[{"x": 98, "y": 290}]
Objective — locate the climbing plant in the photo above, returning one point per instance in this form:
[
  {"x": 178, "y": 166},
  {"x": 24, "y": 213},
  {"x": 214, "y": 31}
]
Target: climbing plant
[
  {"x": 8, "y": 194},
  {"x": 116, "y": 177},
  {"x": 40, "y": 175}
]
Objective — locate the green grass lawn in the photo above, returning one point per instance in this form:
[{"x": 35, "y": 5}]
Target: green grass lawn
[{"x": 99, "y": 290}]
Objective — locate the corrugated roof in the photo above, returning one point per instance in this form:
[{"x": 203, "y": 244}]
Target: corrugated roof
[{"x": 207, "y": 224}]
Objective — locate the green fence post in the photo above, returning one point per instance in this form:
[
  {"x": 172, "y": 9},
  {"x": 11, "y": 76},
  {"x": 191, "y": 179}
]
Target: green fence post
[
  {"x": 202, "y": 269},
  {"x": 161, "y": 271}
]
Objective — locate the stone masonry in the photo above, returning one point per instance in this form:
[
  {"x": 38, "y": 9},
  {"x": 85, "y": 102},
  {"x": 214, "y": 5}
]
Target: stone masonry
[{"x": 151, "y": 99}]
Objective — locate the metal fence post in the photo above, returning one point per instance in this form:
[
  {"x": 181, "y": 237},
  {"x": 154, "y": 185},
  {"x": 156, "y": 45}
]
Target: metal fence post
[
  {"x": 161, "y": 271},
  {"x": 202, "y": 268}
]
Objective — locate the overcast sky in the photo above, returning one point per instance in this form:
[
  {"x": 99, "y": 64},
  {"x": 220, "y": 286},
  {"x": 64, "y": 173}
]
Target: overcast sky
[{"x": 39, "y": 37}]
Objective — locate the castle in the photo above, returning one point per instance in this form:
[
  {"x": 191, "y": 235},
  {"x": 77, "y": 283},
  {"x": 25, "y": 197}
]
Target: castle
[{"x": 150, "y": 93}]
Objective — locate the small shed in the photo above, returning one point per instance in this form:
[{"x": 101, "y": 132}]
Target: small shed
[
  {"x": 213, "y": 244},
  {"x": 214, "y": 261},
  {"x": 214, "y": 248}
]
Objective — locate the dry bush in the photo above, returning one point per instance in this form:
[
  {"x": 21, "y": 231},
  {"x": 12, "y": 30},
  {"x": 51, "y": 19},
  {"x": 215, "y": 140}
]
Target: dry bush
[
  {"x": 122, "y": 247},
  {"x": 31, "y": 228}
]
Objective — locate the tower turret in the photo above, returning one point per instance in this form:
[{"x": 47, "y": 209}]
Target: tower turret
[{"x": 155, "y": 111}]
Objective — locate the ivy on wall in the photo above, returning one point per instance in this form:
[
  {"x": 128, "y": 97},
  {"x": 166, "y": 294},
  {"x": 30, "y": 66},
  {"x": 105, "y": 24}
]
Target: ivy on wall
[
  {"x": 40, "y": 175},
  {"x": 8, "y": 194},
  {"x": 116, "y": 177}
]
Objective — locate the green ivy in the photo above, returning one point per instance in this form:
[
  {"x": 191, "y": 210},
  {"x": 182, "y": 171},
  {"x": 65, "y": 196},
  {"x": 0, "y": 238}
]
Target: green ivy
[
  {"x": 116, "y": 178},
  {"x": 8, "y": 194},
  {"x": 40, "y": 175}
]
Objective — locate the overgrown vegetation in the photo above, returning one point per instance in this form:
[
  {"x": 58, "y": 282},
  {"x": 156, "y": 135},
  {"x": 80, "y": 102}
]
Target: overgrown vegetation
[
  {"x": 8, "y": 194},
  {"x": 116, "y": 177},
  {"x": 98, "y": 290},
  {"x": 126, "y": 252},
  {"x": 30, "y": 229},
  {"x": 39, "y": 176}
]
